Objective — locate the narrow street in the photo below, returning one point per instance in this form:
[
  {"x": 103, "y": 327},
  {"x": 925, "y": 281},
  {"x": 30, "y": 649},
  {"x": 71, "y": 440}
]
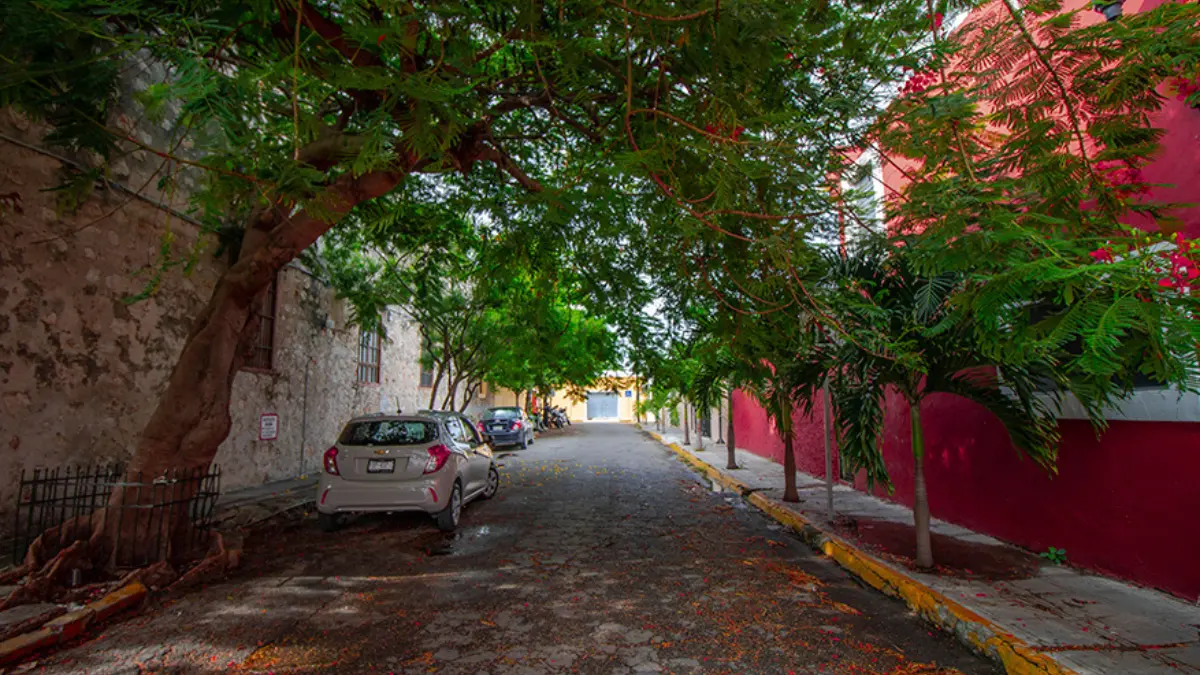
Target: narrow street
[{"x": 602, "y": 553}]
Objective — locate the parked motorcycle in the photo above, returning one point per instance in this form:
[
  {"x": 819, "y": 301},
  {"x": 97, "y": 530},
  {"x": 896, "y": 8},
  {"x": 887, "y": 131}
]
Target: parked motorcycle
[
  {"x": 554, "y": 418},
  {"x": 559, "y": 416}
]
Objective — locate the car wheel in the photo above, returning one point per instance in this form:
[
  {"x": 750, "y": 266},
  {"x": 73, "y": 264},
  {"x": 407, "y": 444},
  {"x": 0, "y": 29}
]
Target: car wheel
[
  {"x": 493, "y": 483},
  {"x": 328, "y": 522},
  {"x": 447, "y": 520}
]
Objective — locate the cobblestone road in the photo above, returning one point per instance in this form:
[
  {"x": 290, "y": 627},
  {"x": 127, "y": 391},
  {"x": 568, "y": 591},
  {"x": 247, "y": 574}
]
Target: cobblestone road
[{"x": 602, "y": 554}]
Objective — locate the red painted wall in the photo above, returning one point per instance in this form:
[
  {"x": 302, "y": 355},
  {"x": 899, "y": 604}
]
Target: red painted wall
[
  {"x": 1178, "y": 164},
  {"x": 1127, "y": 504}
]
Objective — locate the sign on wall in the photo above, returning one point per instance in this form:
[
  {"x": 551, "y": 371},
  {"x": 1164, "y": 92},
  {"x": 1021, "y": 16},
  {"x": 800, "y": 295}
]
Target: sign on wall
[{"x": 268, "y": 427}]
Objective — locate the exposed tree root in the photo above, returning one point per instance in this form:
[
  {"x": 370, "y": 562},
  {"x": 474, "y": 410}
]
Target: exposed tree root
[
  {"x": 158, "y": 576},
  {"x": 41, "y": 584},
  {"x": 219, "y": 561},
  {"x": 55, "y": 540},
  {"x": 14, "y": 575},
  {"x": 77, "y": 545}
]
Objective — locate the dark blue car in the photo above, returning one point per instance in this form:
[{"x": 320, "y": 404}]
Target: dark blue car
[{"x": 507, "y": 426}]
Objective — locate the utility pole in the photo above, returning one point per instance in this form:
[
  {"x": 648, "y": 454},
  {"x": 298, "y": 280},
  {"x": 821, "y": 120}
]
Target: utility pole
[
  {"x": 720, "y": 417},
  {"x": 826, "y": 406},
  {"x": 730, "y": 443}
]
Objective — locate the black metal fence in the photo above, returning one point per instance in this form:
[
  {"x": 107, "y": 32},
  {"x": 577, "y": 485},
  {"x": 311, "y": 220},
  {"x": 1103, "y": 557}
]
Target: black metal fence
[{"x": 159, "y": 518}]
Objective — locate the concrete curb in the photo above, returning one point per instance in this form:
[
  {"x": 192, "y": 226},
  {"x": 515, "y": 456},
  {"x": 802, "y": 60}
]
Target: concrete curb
[
  {"x": 72, "y": 624},
  {"x": 973, "y": 630}
]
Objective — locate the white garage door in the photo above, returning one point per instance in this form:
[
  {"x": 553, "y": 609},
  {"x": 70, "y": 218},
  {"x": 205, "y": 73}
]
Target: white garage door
[{"x": 602, "y": 405}]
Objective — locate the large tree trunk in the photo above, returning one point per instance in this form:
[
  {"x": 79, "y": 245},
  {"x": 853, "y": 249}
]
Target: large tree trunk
[
  {"x": 192, "y": 416},
  {"x": 730, "y": 444},
  {"x": 472, "y": 388},
  {"x": 789, "y": 470},
  {"x": 699, "y": 422},
  {"x": 437, "y": 384},
  {"x": 920, "y": 495},
  {"x": 452, "y": 392},
  {"x": 687, "y": 439},
  {"x": 789, "y": 457}
]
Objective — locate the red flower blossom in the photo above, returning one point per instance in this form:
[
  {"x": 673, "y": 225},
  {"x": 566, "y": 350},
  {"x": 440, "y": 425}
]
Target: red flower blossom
[
  {"x": 1102, "y": 254},
  {"x": 937, "y": 21},
  {"x": 1185, "y": 87},
  {"x": 381, "y": 39},
  {"x": 1182, "y": 271},
  {"x": 1182, "y": 244},
  {"x": 918, "y": 83},
  {"x": 721, "y": 130},
  {"x": 1124, "y": 178}
]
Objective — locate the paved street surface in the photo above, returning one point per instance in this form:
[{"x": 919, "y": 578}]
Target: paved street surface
[{"x": 602, "y": 554}]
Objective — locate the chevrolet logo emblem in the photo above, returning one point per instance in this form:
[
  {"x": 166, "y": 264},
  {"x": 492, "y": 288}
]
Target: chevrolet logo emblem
[{"x": 381, "y": 452}]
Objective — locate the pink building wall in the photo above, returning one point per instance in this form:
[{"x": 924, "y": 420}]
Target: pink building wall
[{"x": 1126, "y": 504}]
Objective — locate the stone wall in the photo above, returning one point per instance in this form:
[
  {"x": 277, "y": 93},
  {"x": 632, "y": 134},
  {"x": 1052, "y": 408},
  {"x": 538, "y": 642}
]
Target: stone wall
[
  {"x": 312, "y": 386},
  {"x": 81, "y": 368}
]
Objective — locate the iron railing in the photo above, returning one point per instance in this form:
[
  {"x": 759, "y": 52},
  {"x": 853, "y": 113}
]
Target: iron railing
[{"x": 160, "y": 518}]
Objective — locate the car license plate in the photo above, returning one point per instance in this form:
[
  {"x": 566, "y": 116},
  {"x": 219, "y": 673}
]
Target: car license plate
[{"x": 381, "y": 465}]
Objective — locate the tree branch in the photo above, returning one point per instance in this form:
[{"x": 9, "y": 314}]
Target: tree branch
[
  {"x": 506, "y": 162},
  {"x": 330, "y": 32}
]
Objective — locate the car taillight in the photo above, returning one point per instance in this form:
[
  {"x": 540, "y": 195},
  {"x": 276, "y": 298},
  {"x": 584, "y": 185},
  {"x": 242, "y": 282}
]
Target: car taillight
[
  {"x": 516, "y": 425},
  {"x": 331, "y": 462},
  {"x": 480, "y": 426},
  {"x": 438, "y": 455}
]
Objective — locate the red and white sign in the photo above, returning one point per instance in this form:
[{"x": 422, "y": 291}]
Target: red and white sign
[{"x": 268, "y": 427}]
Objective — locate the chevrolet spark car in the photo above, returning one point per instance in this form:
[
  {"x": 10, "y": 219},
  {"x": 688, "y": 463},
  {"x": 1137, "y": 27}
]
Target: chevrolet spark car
[
  {"x": 507, "y": 426},
  {"x": 434, "y": 462}
]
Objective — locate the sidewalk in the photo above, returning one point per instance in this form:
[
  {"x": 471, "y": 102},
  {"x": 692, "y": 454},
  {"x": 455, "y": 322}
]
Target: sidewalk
[
  {"x": 301, "y": 487},
  {"x": 248, "y": 506},
  {"x": 1054, "y": 620}
]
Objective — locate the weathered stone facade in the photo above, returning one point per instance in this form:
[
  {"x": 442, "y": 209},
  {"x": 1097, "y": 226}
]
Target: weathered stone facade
[{"x": 81, "y": 368}]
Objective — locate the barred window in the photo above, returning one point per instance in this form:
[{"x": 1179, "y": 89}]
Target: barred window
[
  {"x": 260, "y": 354},
  {"x": 368, "y": 355}
]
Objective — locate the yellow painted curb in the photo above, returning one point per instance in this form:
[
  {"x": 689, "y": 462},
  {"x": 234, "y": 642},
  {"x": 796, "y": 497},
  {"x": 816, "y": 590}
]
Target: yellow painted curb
[
  {"x": 118, "y": 600},
  {"x": 972, "y": 629},
  {"x": 13, "y": 649},
  {"x": 72, "y": 624}
]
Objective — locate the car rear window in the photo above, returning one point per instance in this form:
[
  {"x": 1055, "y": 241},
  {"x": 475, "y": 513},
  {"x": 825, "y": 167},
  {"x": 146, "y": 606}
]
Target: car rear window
[
  {"x": 503, "y": 413},
  {"x": 389, "y": 432}
]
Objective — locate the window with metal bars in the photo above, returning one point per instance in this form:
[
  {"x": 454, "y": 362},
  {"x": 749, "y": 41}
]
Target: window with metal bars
[
  {"x": 369, "y": 355},
  {"x": 260, "y": 355},
  {"x": 426, "y": 377}
]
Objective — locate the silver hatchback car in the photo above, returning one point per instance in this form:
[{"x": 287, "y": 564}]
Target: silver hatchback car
[{"x": 432, "y": 461}]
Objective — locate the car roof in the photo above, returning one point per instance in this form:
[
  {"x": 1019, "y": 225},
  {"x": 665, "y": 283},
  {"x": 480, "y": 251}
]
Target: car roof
[
  {"x": 440, "y": 413},
  {"x": 420, "y": 416},
  {"x": 505, "y": 407}
]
